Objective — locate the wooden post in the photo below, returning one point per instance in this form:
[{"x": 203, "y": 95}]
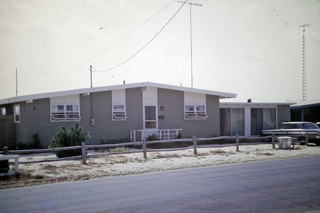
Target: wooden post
[
  {"x": 237, "y": 142},
  {"x": 16, "y": 167},
  {"x": 273, "y": 141},
  {"x": 307, "y": 138},
  {"x": 144, "y": 147},
  {"x": 5, "y": 150},
  {"x": 83, "y": 152},
  {"x": 195, "y": 145}
]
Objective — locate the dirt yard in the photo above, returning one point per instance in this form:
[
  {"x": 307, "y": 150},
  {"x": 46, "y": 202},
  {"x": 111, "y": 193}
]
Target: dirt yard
[{"x": 129, "y": 164}]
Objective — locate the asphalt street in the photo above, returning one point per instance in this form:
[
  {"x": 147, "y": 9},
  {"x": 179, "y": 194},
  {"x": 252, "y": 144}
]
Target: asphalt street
[{"x": 272, "y": 186}]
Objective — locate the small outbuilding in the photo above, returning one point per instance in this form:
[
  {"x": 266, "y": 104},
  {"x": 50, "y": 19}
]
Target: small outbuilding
[{"x": 249, "y": 119}]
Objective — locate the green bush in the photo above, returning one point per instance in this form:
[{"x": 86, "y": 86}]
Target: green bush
[{"x": 65, "y": 138}]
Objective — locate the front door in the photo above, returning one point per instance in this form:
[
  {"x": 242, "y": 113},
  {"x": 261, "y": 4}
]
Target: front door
[
  {"x": 150, "y": 117},
  {"x": 150, "y": 125}
]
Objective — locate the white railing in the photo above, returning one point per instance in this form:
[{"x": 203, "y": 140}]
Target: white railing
[{"x": 162, "y": 134}]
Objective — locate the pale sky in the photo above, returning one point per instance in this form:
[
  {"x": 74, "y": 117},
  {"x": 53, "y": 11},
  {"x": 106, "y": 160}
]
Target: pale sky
[{"x": 248, "y": 47}]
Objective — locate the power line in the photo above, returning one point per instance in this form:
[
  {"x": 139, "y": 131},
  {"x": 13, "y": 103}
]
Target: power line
[
  {"x": 144, "y": 46},
  {"x": 109, "y": 46}
]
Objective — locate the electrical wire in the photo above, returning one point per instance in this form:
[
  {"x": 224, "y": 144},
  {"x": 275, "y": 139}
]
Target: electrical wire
[
  {"x": 144, "y": 46},
  {"x": 109, "y": 46}
]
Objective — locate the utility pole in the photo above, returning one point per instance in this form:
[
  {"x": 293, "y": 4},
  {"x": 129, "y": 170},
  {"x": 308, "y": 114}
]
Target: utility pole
[
  {"x": 304, "y": 72},
  {"x": 191, "y": 55},
  {"x": 17, "y": 82},
  {"x": 91, "y": 75}
]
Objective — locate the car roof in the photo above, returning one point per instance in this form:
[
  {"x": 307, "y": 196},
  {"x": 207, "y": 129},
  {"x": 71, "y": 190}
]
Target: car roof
[{"x": 296, "y": 122}]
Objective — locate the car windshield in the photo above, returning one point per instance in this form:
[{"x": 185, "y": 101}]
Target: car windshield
[
  {"x": 309, "y": 126},
  {"x": 299, "y": 126},
  {"x": 289, "y": 126}
]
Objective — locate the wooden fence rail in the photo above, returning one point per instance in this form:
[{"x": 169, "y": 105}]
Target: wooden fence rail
[{"x": 143, "y": 144}]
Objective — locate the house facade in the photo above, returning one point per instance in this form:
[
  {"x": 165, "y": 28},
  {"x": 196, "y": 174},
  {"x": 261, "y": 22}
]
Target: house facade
[
  {"x": 128, "y": 111},
  {"x": 249, "y": 119}
]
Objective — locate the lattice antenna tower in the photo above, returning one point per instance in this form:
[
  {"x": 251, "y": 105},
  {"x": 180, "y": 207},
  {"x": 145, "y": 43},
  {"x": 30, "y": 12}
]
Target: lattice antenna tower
[{"x": 304, "y": 71}]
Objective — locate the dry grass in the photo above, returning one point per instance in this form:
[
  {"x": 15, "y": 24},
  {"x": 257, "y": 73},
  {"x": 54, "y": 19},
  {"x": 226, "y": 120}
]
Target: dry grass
[{"x": 134, "y": 163}]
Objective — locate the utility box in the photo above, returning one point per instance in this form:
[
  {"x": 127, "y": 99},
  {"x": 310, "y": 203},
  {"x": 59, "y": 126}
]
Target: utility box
[
  {"x": 284, "y": 142},
  {"x": 4, "y": 166}
]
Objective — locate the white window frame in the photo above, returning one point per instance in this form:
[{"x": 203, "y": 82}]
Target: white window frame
[
  {"x": 63, "y": 113},
  {"x": 119, "y": 112},
  {"x": 16, "y": 113},
  {"x": 195, "y": 112},
  {"x": 3, "y": 110}
]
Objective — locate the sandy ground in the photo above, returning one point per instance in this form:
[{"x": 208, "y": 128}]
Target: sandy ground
[{"x": 127, "y": 164}]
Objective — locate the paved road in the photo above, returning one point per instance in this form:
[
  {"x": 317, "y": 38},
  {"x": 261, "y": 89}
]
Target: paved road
[{"x": 274, "y": 186}]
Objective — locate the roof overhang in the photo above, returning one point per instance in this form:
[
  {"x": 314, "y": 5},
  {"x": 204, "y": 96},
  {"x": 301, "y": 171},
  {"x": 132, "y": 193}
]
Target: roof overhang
[
  {"x": 87, "y": 91},
  {"x": 306, "y": 104}
]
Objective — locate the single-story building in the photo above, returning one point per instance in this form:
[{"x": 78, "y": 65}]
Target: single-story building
[
  {"x": 249, "y": 119},
  {"x": 308, "y": 110},
  {"x": 130, "y": 111}
]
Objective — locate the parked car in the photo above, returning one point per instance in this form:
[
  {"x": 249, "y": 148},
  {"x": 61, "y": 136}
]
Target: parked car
[
  {"x": 318, "y": 124},
  {"x": 297, "y": 130}
]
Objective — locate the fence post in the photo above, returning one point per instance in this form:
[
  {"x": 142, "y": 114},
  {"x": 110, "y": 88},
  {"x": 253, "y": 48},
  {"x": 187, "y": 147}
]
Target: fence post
[
  {"x": 195, "y": 145},
  {"x": 273, "y": 141},
  {"x": 83, "y": 152},
  {"x": 307, "y": 138},
  {"x": 237, "y": 142},
  {"x": 5, "y": 150},
  {"x": 144, "y": 147}
]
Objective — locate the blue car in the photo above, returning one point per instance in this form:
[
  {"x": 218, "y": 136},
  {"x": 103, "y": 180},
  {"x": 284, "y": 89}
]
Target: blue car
[{"x": 297, "y": 130}]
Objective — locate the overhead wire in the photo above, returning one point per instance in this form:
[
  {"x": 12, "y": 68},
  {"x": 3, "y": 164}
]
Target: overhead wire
[
  {"x": 144, "y": 46},
  {"x": 109, "y": 46}
]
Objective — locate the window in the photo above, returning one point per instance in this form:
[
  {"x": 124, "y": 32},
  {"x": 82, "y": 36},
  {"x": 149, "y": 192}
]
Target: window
[
  {"x": 195, "y": 112},
  {"x": 73, "y": 112},
  {"x": 3, "y": 111},
  {"x": 232, "y": 121},
  {"x": 262, "y": 119},
  {"x": 61, "y": 112},
  {"x": 16, "y": 113},
  {"x": 118, "y": 113}
]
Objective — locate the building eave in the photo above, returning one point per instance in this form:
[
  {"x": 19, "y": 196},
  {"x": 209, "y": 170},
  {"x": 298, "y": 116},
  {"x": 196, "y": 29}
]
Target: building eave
[{"x": 17, "y": 99}]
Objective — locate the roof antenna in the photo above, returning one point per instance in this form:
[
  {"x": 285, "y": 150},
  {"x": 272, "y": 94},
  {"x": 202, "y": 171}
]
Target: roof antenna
[
  {"x": 17, "y": 82},
  {"x": 191, "y": 58}
]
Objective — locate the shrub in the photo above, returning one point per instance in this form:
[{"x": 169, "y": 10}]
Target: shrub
[{"x": 65, "y": 138}]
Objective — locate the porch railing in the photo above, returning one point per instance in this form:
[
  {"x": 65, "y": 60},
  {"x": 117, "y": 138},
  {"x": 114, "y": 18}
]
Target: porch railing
[{"x": 162, "y": 134}]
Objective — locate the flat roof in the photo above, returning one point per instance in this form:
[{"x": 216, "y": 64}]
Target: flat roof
[
  {"x": 306, "y": 104},
  {"x": 255, "y": 103},
  {"x": 221, "y": 95}
]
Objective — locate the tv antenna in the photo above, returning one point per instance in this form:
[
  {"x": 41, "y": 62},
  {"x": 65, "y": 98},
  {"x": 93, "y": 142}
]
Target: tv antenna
[
  {"x": 191, "y": 60},
  {"x": 304, "y": 71}
]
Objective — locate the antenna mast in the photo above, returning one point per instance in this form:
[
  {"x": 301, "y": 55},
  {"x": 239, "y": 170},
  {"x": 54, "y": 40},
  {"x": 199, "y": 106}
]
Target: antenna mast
[
  {"x": 304, "y": 72},
  {"x": 191, "y": 57}
]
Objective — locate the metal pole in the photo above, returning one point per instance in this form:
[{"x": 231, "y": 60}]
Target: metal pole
[
  {"x": 191, "y": 64},
  {"x": 91, "y": 75},
  {"x": 16, "y": 82}
]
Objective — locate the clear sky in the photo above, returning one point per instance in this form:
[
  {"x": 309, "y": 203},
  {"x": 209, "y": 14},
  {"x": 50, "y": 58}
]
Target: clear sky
[{"x": 249, "y": 47}]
